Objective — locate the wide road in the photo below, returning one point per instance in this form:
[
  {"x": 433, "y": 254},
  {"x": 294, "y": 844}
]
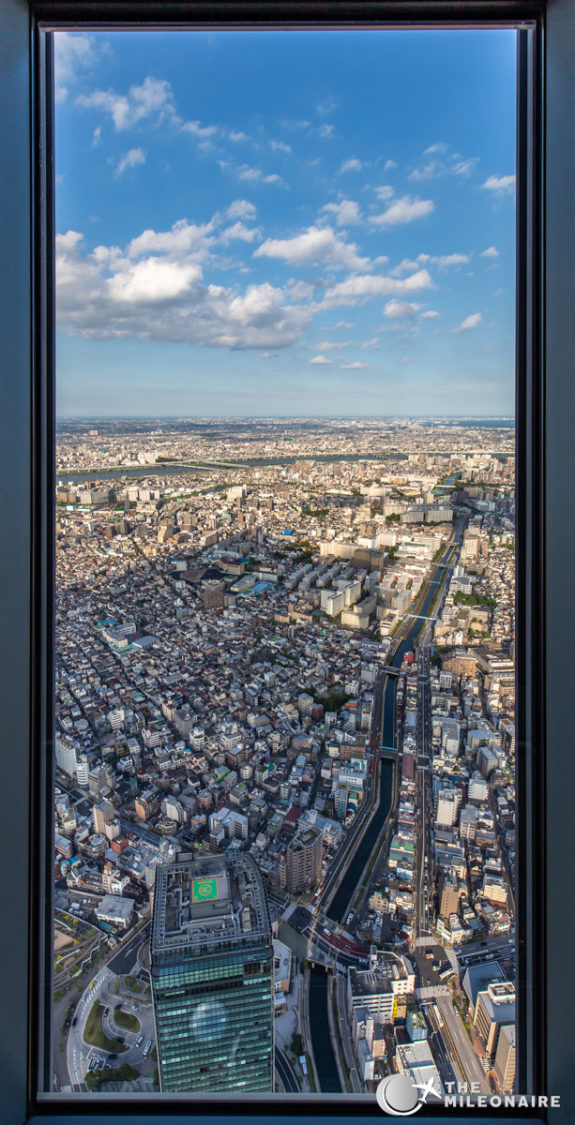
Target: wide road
[{"x": 466, "y": 1057}]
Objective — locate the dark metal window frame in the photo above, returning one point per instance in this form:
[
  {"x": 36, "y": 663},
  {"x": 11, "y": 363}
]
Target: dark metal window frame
[{"x": 546, "y": 531}]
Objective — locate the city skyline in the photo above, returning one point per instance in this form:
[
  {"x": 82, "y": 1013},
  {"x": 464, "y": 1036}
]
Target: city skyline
[{"x": 350, "y": 235}]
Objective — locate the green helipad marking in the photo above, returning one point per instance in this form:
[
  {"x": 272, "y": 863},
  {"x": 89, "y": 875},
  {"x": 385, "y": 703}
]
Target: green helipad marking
[{"x": 204, "y": 890}]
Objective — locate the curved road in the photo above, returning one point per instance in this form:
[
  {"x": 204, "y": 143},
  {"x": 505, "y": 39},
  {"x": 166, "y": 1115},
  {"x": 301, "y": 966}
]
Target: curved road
[{"x": 286, "y": 1073}]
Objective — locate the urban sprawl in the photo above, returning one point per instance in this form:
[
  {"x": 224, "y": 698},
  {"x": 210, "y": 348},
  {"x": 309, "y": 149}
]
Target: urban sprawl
[{"x": 285, "y": 738}]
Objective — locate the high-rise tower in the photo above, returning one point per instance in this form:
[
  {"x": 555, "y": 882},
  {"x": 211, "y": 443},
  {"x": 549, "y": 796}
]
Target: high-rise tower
[{"x": 212, "y": 976}]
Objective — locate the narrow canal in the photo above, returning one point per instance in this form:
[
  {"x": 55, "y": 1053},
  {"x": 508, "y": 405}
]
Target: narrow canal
[
  {"x": 323, "y": 1052},
  {"x": 341, "y": 900}
]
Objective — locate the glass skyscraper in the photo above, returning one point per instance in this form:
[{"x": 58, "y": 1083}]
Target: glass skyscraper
[{"x": 212, "y": 976}]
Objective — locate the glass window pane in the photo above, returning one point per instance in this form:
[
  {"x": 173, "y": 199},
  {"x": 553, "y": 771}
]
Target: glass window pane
[{"x": 285, "y": 752}]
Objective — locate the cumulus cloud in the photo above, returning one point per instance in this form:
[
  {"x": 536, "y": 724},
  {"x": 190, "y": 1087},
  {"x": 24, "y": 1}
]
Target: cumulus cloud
[
  {"x": 239, "y": 232},
  {"x": 245, "y": 172},
  {"x": 279, "y": 146},
  {"x": 500, "y": 185},
  {"x": 155, "y": 290},
  {"x": 316, "y": 244},
  {"x": 196, "y": 129},
  {"x": 346, "y": 213},
  {"x": 130, "y": 159},
  {"x": 320, "y": 361},
  {"x": 152, "y": 99},
  {"x": 447, "y": 260},
  {"x": 389, "y": 165},
  {"x": 429, "y": 314},
  {"x": 363, "y": 287},
  {"x": 403, "y": 210},
  {"x": 241, "y": 209},
  {"x": 384, "y": 192},
  {"x": 400, "y": 310},
  {"x": 491, "y": 252},
  {"x": 352, "y": 366},
  {"x": 72, "y": 54},
  {"x": 184, "y": 240},
  {"x": 443, "y": 261},
  {"x": 352, "y": 165},
  {"x": 471, "y": 321}
]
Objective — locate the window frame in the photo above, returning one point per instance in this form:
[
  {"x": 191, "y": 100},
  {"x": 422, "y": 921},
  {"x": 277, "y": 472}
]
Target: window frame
[{"x": 545, "y": 342}]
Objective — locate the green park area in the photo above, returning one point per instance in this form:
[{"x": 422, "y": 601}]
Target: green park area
[
  {"x": 94, "y": 1034},
  {"x": 125, "y": 1020}
]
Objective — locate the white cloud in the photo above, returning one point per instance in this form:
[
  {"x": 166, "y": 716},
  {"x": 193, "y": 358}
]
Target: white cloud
[
  {"x": 404, "y": 210},
  {"x": 72, "y": 54},
  {"x": 317, "y": 244},
  {"x": 196, "y": 129},
  {"x": 352, "y": 366},
  {"x": 500, "y": 185},
  {"x": 320, "y": 361},
  {"x": 256, "y": 175},
  {"x": 97, "y": 137},
  {"x": 330, "y": 345},
  {"x": 325, "y": 130},
  {"x": 362, "y": 287},
  {"x": 389, "y": 165},
  {"x": 408, "y": 265},
  {"x": 400, "y": 310},
  {"x": 447, "y": 260},
  {"x": 299, "y": 290},
  {"x": 130, "y": 159},
  {"x": 384, "y": 192},
  {"x": 352, "y": 165},
  {"x": 471, "y": 321},
  {"x": 430, "y": 314},
  {"x": 491, "y": 252},
  {"x": 236, "y": 136},
  {"x": 152, "y": 280},
  {"x": 153, "y": 98},
  {"x": 183, "y": 241},
  {"x": 346, "y": 213},
  {"x": 241, "y": 209},
  {"x": 465, "y": 167},
  {"x": 239, "y": 232},
  {"x": 425, "y": 171},
  {"x": 162, "y": 296},
  {"x": 443, "y": 164},
  {"x": 279, "y": 146}
]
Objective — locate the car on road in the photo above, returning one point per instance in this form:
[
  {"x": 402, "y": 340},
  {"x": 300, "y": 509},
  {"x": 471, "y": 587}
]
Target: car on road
[
  {"x": 74, "y": 1021},
  {"x": 106, "y": 1011},
  {"x": 121, "y": 1039},
  {"x": 113, "y": 1056}
]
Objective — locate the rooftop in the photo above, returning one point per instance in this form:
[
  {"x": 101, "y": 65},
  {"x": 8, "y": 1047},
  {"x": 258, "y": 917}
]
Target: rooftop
[{"x": 207, "y": 904}]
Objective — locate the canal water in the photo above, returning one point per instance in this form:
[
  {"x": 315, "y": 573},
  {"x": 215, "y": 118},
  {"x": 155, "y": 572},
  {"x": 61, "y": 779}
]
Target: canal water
[
  {"x": 325, "y": 1063},
  {"x": 341, "y": 900}
]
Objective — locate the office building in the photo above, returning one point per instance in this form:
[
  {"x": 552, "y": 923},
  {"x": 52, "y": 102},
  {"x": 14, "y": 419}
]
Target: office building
[
  {"x": 495, "y": 1007},
  {"x": 212, "y": 976},
  {"x": 505, "y": 1058},
  {"x": 304, "y": 856}
]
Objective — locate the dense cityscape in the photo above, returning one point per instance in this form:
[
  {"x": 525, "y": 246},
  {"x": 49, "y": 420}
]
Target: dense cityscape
[{"x": 284, "y": 749}]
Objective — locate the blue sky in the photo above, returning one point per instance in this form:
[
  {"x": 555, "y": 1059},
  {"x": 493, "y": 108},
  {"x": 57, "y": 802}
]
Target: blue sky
[{"x": 285, "y": 223}]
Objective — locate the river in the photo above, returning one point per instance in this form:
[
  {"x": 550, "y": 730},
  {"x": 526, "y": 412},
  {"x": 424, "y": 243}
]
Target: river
[{"x": 341, "y": 900}]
